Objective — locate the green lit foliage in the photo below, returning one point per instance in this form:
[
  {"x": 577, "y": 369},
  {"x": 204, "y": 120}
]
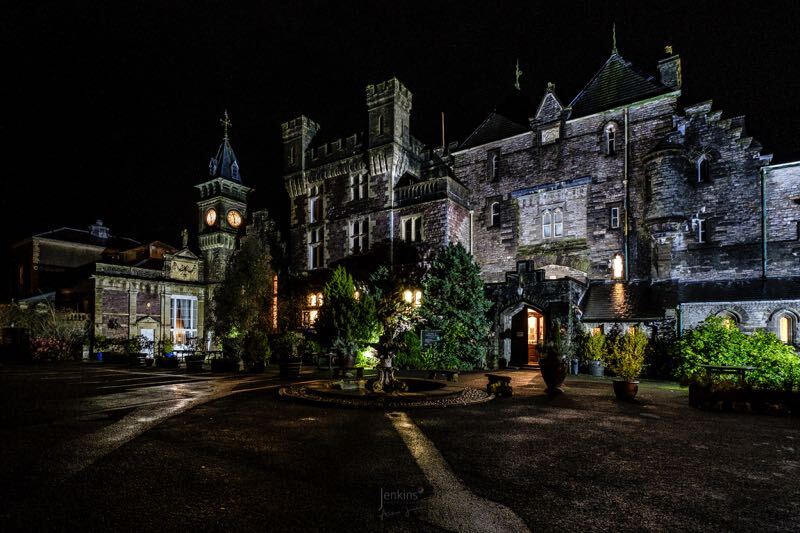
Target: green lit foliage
[
  {"x": 626, "y": 354},
  {"x": 717, "y": 342},
  {"x": 289, "y": 344},
  {"x": 594, "y": 347},
  {"x": 454, "y": 302},
  {"x": 346, "y": 323},
  {"x": 396, "y": 318},
  {"x": 241, "y": 311},
  {"x": 409, "y": 354}
]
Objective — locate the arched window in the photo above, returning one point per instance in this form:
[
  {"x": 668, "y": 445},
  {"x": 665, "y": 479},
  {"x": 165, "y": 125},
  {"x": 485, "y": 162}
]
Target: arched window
[
  {"x": 495, "y": 166},
  {"x": 702, "y": 169},
  {"x": 291, "y": 155},
  {"x": 547, "y": 225},
  {"x": 558, "y": 223},
  {"x": 380, "y": 124},
  {"x": 495, "y": 214},
  {"x": 611, "y": 139},
  {"x": 786, "y": 328}
]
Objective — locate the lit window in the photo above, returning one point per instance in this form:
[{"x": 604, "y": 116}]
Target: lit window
[
  {"x": 411, "y": 228},
  {"x": 597, "y": 330},
  {"x": 702, "y": 169},
  {"x": 314, "y": 204},
  {"x": 413, "y": 297},
  {"x": 358, "y": 187},
  {"x": 359, "y": 236},
  {"x": 611, "y": 139},
  {"x": 547, "y": 225},
  {"x": 617, "y": 267},
  {"x": 183, "y": 319},
  {"x": 786, "y": 329},
  {"x": 729, "y": 320},
  {"x": 495, "y": 214},
  {"x": 614, "y": 222},
  {"x": 558, "y": 223},
  {"x": 315, "y": 248}
]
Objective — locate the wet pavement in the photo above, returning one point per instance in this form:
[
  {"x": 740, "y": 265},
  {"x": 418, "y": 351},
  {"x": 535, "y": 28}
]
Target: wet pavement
[{"x": 242, "y": 459}]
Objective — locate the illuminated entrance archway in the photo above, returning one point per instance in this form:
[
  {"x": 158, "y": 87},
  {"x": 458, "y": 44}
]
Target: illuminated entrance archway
[{"x": 526, "y": 331}]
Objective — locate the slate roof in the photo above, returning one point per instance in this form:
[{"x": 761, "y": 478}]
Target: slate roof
[
  {"x": 224, "y": 164},
  {"x": 509, "y": 118},
  {"x": 616, "y": 83},
  {"x": 645, "y": 300},
  {"x": 79, "y": 236}
]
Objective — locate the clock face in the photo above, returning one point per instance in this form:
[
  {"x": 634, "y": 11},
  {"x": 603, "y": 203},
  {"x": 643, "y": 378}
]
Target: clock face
[
  {"x": 234, "y": 218},
  {"x": 211, "y": 217}
]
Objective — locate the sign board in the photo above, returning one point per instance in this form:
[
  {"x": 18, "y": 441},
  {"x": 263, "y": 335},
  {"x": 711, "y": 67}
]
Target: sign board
[{"x": 429, "y": 337}]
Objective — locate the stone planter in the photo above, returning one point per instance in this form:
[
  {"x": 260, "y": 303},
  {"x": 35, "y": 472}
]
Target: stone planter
[
  {"x": 596, "y": 369},
  {"x": 194, "y": 365},
  {"x": 625, "y": 390}
]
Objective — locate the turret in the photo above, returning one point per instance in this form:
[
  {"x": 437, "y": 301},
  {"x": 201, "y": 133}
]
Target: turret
[
  {"x": 297, "y": 135},
  {"x": 389, "y": 111}
]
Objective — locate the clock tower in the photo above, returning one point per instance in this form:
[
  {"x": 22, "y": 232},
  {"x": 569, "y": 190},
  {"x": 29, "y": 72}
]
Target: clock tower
[{"x": 222, "y": 208}]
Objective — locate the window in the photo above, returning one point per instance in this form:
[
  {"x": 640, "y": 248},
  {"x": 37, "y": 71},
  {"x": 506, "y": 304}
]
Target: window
[
  {"x": 494, "y": 214},
  {"x": 358, "y": 187},
  {"x": 315, "y": 248},
  {"x": 495, "y": 166},
  {"x": 702, "y": 169},
  {"x": 617, "y": 265},
  {"x": 614, "y": 217},
  {"x": 412, "y": 228},
  {"x": 314, "y": 301},
  {"x": 700, "y": 229},
  {"x": 611, "y": 139},
  {"x": 359, "y": 236},
  {"x": 314, "y": 204},
  {"x": 597, "y": 330},
  {"x": 558, "y": 223},
  {"x": 786, "y": 329},
  {"x": 291, "y": 154},
  {"x": 547, "y": 225},
  {"x": 183, "y": 319},
  {"x": 380, "y": 125},
  {"x": 413, "y": 297}
]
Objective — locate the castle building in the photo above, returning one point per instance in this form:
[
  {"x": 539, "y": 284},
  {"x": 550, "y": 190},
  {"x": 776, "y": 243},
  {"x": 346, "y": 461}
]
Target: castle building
[{"x": 623, "y": 206}]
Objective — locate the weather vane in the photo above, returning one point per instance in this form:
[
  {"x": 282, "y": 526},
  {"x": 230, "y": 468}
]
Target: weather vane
[
  {"x": 226, "y": 123},
  {"x": 517, "y": 76}
]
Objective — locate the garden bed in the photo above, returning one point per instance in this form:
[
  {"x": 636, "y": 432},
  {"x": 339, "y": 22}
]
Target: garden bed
[{"x": 743, "y": 399}]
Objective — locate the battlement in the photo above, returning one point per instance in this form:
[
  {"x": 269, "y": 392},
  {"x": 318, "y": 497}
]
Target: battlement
[
  {"x": 297, "y": 127},
  {"x": 342, "y": 147},
  {"x": 384, "y": 91}
]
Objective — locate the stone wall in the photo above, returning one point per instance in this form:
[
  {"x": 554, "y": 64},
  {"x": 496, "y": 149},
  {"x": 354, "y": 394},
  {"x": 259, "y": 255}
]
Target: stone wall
[
  {"x": 749, "y": 315},
  {"x": 782, "y": 188}
]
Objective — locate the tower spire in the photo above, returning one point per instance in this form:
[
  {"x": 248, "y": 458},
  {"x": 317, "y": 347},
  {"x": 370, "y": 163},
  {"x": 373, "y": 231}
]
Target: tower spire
[
  {"x": 614, "y": 38},
  {"x": 517, "y": 76},
  {"x": 226, "y": 123}
]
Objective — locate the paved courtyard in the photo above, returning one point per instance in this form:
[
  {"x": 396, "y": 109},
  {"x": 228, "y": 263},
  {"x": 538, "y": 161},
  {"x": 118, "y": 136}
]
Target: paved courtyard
[{"x": 98, "y": 448}]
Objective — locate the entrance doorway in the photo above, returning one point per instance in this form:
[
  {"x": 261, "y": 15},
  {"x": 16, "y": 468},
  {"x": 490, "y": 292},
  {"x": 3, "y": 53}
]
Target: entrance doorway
[
  {"x": 527, "y": 335},
  {"x": 150, "y": 335}
]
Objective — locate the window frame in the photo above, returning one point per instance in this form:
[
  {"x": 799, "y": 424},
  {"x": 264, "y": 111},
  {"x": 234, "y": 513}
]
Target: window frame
[
  {"x": 702, "y": 169},
  {"x": 611, "y": 217},
  {"x": 316, "y": 241},
  {"x": 610, "y": 139},
  {"x": 547, "y": 225},
  {"x": 188, "y": 332},
  {"x": 358, "y": 187},
  {"x": 417, "y": 233},
  {"x": 314, "y": 204},
  {"x": 494, "y": 214},
  {"x": 358, "y": 235},
  {"x": 558, "y": 223},
  {"x": 700, "y": 230}
]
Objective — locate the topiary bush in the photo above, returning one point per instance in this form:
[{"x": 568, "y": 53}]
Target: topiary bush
[
  {"x": 715, "y": 342},
  {"x": 409, "y": 356},
  {"x": 626, "y": 354}
]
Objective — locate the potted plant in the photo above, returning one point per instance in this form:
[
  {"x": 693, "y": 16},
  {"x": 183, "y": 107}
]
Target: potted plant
[
  {"x": 287, "y": 345},
  {"x": 256, "y": 352},
  {"x": 166, "y": 358},
  {"x": 596, "y": 352},
  {"x": 135, "y": 347},
  {"x": 626, "y": 360},
  {"x": 228, "y": 361},
  {"x": 553, "y": 359}
]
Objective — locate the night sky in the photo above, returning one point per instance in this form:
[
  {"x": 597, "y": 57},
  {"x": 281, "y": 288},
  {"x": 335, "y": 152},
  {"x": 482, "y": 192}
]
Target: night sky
[{"x": 111, "y": 109}]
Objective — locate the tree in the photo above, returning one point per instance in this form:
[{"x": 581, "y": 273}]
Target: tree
[
  {"x": 454, "y": 302},
  {"x": 241, "y": 315},
  {"x": 346, "y": 322}
]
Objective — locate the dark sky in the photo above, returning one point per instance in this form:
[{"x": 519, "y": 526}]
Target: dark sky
[{"x": 111, "y": 109}]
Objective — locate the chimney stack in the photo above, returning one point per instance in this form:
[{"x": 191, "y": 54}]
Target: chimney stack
[{"x": 670, "y": 69}]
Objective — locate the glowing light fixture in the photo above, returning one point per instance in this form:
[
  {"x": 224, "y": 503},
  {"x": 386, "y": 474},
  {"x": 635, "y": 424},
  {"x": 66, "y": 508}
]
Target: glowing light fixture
[{"x": 616, "y": 267}]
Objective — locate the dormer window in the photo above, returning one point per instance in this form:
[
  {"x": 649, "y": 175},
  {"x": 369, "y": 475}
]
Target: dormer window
[
  {"x": 610, "y": 139},
  {"x": 494, "y": 214},
  {"x": 702, "y": 173}
]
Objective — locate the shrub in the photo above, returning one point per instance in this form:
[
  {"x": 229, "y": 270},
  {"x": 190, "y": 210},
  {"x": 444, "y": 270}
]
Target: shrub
[
  {"x": 256, "y": 347},
  {"x": 436, "y": 359},
  {"x": 594, "y": 347},
  {"x": 288, "y": 344},
  {"x": 345, "y": 323},
  {"x": 626, "y": 354},
  {"x": 409, "y": 355},
  {"x": 715, "y": 342}
]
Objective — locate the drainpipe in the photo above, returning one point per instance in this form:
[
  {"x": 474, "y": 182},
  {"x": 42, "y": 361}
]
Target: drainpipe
[
  {"x": 627, "y": 195},
  {"x": 471, "y": 229},
  {"x": 679, "y": 322},
  {"x": 763, "y": 222}
]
